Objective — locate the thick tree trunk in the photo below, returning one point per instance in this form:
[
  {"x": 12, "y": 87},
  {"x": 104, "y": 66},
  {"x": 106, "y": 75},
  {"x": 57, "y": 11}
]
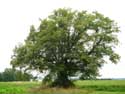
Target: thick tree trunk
[{"x": 62, "y": 80}]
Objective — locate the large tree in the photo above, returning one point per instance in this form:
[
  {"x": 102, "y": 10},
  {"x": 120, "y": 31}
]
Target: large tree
[{"x": 68, "y": 43}]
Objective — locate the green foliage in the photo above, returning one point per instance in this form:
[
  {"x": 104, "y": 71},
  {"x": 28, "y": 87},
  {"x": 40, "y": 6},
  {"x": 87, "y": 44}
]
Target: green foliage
[
  {"x": 68, "y": 43},
  {"x": 15, "y": 75}
]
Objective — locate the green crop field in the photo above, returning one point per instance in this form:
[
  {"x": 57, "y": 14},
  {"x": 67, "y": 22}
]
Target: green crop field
[
  {"x": 82, "y": 87},
  {"x": 103, "y": 86}
]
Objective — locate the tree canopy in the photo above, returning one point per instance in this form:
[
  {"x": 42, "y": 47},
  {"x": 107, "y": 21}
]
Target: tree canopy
[{"x": 68, "y": 43}]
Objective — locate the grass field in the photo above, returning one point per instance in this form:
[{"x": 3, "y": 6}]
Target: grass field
[{"x": 82, "y": 87}]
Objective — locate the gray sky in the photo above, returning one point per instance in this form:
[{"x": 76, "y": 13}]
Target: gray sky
[{"x": 16, "y": 16}]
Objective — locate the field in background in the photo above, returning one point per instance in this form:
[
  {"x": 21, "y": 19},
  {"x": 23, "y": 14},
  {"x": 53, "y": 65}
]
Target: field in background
[{"x": 82, "y": 87}]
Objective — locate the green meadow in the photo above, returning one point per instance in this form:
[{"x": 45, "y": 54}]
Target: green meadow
[{"x": 82, "y": 87}]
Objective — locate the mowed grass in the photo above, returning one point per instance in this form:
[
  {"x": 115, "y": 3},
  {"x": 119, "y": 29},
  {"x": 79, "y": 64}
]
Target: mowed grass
[{"x": 82, "y": 87}]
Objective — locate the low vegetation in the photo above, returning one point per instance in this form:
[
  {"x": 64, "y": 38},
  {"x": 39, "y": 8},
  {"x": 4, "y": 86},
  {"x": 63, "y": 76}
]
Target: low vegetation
[{"x": 82, "y": 87}]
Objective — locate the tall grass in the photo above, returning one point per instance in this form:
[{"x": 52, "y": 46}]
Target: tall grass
[{"x": 60, "y": 91}]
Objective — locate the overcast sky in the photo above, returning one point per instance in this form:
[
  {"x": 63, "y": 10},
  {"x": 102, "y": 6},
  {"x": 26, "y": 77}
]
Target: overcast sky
[{"x": 16, "y": 16}]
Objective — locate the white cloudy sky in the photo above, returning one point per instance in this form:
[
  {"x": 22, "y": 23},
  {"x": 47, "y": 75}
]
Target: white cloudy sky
[{"x": 16, "y": 16}]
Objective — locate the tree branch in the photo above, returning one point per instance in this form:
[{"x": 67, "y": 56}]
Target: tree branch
[{"x": 94, "y": 46}]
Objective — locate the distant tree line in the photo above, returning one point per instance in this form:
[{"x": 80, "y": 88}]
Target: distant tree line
[{"x": 15, "y": 75}]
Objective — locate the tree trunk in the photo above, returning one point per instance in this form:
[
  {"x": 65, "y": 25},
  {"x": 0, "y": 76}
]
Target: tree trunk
[{"x": 62, "y": 80}]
